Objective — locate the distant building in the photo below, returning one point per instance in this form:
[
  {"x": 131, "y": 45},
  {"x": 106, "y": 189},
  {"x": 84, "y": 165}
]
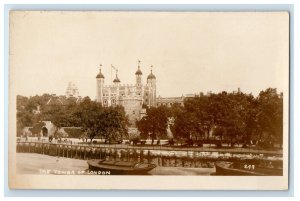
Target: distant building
[
  {"x": 55, "y": 100},
  {"x": 169, "y": 101},
  {"x": 72, "y": 90}
]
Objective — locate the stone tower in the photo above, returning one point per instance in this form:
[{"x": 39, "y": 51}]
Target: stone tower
[
  {"x": 138, "y": 83},
  {"x": 99, "y": 87},
  {"x": 151, "y": 84}
]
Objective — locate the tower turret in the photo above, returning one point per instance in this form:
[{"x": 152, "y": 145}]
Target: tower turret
[
  {"x": 99, "y": 86},
  {"x": 138, "y": 75},
  {"x": 116, "y": 80},
  {"x": 151, "y": 76},
  {"x": 151, "y": 83}
]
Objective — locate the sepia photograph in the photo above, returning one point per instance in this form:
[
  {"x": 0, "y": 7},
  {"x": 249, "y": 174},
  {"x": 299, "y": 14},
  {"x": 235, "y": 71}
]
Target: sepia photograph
[{"x": 148, "y": 100}]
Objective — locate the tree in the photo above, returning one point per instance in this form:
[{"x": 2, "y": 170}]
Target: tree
[
  {"x": 109, "y": 123},
  {"x": 187, "y": 126},
  {"x": 203, "y": 108},
  {"x": 113, "y": 124},
  {"x": 230, "y": 115},
  {"x": 87, "y": 114},
  {"x": 154, "y": 123},
  {"x": 144, "y": 127},
  {"x": 24, "y": 118},
  {"x": 270, "y": 117}
]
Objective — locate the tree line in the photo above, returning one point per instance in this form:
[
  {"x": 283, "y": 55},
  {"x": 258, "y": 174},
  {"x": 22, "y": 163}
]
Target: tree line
[
  {"x": 232, "y": 117},
  {"x": 109, "y": 123}
]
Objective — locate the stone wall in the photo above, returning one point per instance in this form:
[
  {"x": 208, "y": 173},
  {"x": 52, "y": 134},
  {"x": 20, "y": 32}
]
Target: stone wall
[{"x": 132, "y": 107}]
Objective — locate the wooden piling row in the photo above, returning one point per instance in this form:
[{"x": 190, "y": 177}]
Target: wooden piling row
[{"x": 110, "y": 153}]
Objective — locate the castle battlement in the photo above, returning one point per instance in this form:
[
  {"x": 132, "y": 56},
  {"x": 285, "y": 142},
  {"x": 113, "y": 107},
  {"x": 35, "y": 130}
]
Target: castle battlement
[{"x": 121, "y": 85}]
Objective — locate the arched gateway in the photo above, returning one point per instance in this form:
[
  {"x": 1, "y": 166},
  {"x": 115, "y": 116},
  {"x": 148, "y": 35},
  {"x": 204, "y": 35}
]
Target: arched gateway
[{"x": 45, "y": 132}]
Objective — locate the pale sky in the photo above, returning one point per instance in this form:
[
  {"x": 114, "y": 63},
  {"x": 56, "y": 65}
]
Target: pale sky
[{"x": 190, "y": 52}]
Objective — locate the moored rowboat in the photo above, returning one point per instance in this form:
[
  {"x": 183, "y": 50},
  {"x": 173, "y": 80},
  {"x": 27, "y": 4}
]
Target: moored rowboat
[
  {"x": 236, "y": 169},
  {"x": 120, "y": 167}
]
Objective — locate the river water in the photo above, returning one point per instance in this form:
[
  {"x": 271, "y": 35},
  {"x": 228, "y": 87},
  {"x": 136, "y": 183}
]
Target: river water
[{"x": 31, "y": 163}]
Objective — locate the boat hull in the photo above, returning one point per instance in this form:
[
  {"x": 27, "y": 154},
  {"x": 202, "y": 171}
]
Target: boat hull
[
  {"x": 227, "y": 168},
  {"x": 115, "y": 168}
]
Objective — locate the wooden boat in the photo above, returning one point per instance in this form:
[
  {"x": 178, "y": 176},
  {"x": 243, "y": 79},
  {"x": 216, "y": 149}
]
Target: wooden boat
[
  {"x": 119, "y": 167},
  {"x": 240, "y": 169}
]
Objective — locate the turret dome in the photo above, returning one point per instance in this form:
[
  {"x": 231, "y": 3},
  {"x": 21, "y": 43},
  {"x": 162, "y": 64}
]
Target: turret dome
[
  {"x": 151, "y": 76},
  {"x": 100, "y": 75},
  {"x": 138, "y": 72},
  {"x": 116, "y": 79}
]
